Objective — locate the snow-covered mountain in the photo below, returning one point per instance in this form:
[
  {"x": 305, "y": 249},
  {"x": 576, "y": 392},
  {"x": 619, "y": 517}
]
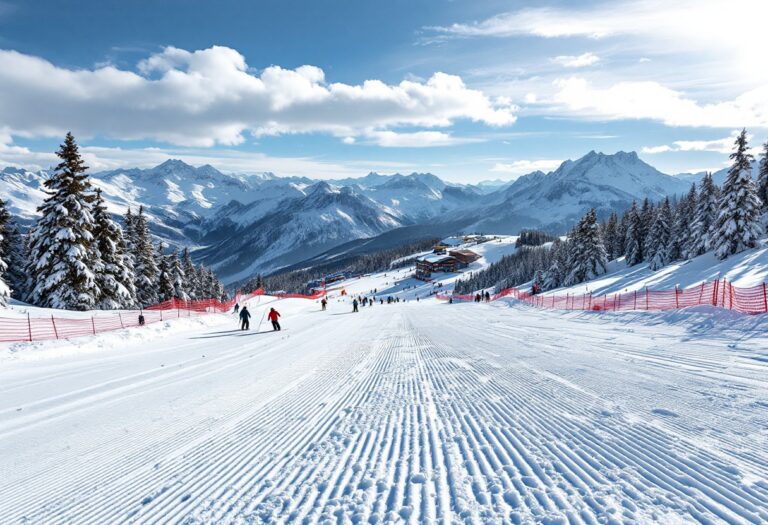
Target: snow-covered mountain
[
  {"x": 298, "y": 229},
  {"x": 557, "y": 199},
  {"x": 258, "y": 222}
]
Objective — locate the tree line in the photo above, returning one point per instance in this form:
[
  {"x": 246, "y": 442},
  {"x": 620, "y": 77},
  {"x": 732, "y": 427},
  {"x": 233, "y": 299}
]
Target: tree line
[
  {"x": 76, "y": 257},
  {"x": 708, "y": 218}
]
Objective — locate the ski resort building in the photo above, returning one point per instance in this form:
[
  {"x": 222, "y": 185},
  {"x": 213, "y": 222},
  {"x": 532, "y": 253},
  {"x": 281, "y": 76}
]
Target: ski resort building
[{"x": 452, "y": 262}]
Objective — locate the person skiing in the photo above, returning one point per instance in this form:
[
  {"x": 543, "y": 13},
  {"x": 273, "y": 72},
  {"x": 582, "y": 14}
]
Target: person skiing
[
  {"x": 487, "y": 297},
  {"x": 237, "y": 307},
  {"x": 245, "y": 319},
  {"x": 141, "y": 320},
  {"x": 354, "y": 305},
  {"x": 323, "y": 303},
  {"x": 273, "y": 315}
]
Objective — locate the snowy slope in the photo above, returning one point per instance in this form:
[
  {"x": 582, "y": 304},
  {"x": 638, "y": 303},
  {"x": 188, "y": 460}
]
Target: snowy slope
[
  {"x": 745, "y": 269},
  {"x": 407, "y": 413}
]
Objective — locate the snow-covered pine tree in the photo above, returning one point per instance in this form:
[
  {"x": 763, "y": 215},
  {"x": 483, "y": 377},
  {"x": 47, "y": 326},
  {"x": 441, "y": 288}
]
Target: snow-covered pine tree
[
  {"x": 556, "y": 270},
  {"x": 201, "y": 283},
  {"x": 738, "y": 224},
  {"x": 634, "y": 242},
  {"x": 177, "y": 276},
  {"x": 114, "y": 274},
  {"x": 5, "y": 220},
  {"x": 12, "y": 251},
  {"x": 190, "y": 275},
  {"x": 144, "y": 261},
  {"x": 62, "y": 257},
  {"x": 611, "y": 237},
  {"x": 621, "y": 235},
  {"x": 660, "y": 237},
  {"x": 647, "y": 217},
  {"x": 683, "y": 215},
  {"x": 129, "y": 237},
  {"x": 165, "y": 288},
  {"x": 704, "y": 217},
  {"x": 762, "y": 179},
  {"x": 588, "y": 255}
]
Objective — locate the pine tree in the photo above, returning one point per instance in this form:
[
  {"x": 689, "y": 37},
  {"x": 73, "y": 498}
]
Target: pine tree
[
  {"x": 556, "y": 271},
  {"x": 114, "y": 274},
  {"x": 647, "y": 217},
  {"x": 660, "y": 237},
  {"x": 611, "y": 237},
  {"x": 177, "y": 276},
  {"x": 165, "y": 285},
  {"x": 61, "y": 252},
  {"x": 588, "y": 254},
  {"x": 680, "y": 241},
  {"x": 145, "y": 263},
  {"x": 738, "y": 222},
  {"x": 201, "y": 283},
  {"x": 190, "y": 275},
  {"x": 621, "y": 235},
  {"x": 634, "y": 244},
  {"x": 12, "y": 253},
  {"x": 762, "y": 179},
  {"x": 704, "y": 217},
  {"x": 5, "y": 220}
]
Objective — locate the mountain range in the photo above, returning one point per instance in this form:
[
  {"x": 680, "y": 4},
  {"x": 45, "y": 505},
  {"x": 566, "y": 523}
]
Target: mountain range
[{"x": 243, "y": 224}]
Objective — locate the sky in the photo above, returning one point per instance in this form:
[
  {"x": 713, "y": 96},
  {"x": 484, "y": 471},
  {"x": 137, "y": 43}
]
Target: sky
[{"x": 468, "y": 90}]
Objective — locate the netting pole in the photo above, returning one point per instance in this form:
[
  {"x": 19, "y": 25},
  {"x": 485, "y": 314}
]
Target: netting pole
[
  {"x": 161, "y": 315},
  {"x": 29, "y": 325},
  {"x": 724, "y": 283},
  {"x": 730, "y": 296},
  {"x": 590, "y": 301},
  {"x": 714, "y": 292},
  {"x": 93, "y": 324},
  {"x": 54, "y": 328},
  {"x": 646, "y": 298},
  {"x": 634, "y": 306},
  {"x": 765, "y": 299},
  {"x": 120, "y": 316},
  {"x": 677, "y": 297},
  {"x": 566, "y": 300},
  {"x": 617, "y": 297}
]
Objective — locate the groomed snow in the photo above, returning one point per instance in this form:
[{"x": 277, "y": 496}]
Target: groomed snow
[{"x": 411, "y": 412}]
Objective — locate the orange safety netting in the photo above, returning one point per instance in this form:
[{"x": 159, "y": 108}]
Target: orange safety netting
[
  {"x": 720, "y": 293},
  {"x": 43, "y": 328}
]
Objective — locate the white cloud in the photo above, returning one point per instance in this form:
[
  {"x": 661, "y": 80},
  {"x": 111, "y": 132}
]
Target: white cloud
[
  {"x": 523, "y": 167},
  {"x": 210, "y": 97},
  {"x": 724, "y": 145},
  {"x": 651, "y": 100},
  {"x": 418, "y": 139},
  {"x": 731, "y": 31},
  {"x": 583, "y": 60}
]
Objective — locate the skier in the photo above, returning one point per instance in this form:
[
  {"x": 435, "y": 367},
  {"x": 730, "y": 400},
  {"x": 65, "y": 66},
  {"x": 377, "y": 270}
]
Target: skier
[
  {"x": 245, "y": 316},
  {"x": 141, "y": 320},
  {"x": 487, "y": 297},
  {"x": 324, "y": 303},
  {"x": 237, "y": 307},
  {"x": 354, "y": 305},
  {"x": 273, "y": 315}
]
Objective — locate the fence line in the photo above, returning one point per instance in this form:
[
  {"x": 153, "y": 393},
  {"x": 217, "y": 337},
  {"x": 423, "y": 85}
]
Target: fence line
[
  {"x": 720, "y": 293},
  {"x": 17, "y": 329}
]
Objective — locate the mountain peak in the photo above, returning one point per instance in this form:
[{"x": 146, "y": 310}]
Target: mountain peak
[{"x": 173, "y": 164}]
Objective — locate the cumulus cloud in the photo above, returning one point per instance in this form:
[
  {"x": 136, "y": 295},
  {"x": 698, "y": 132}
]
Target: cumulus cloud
[
  {"x": 211, "y": 96},
  {"x": 651, "y": 100},
  {"x": 583, "y": 60},
  {"x": 523, "y": 167}
]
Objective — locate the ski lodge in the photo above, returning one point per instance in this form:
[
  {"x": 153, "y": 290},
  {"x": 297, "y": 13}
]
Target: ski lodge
[{"x": 450, "y": 263}]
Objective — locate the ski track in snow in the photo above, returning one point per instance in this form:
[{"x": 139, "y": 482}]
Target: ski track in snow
[{"x": 407, "y": 413}]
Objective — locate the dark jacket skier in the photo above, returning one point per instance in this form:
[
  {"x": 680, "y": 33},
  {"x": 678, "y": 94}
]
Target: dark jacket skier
[
  {"x": 245, "y": 319},
  {"x": 354, "y": 305}
]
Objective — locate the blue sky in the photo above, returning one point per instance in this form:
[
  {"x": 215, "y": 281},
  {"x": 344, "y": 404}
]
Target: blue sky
[{"x": 467, "y": 90}]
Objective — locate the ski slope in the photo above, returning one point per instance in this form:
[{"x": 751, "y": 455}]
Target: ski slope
[{"x": 410, "y": 413}]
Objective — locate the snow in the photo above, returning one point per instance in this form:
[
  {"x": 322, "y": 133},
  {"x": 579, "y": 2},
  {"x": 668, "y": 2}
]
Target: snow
[
  {"x": 412, "y": 412},
  {"x": 745, "y": 269}
]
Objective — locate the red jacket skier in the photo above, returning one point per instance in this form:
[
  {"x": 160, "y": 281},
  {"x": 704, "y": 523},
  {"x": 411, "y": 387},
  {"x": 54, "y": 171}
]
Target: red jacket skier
[{"x": 273, "y": 315}]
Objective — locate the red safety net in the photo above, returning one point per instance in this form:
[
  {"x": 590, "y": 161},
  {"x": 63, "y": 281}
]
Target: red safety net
[
  {"x": 42, "y": 328},
  {"x": 721, "y": 293}
]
